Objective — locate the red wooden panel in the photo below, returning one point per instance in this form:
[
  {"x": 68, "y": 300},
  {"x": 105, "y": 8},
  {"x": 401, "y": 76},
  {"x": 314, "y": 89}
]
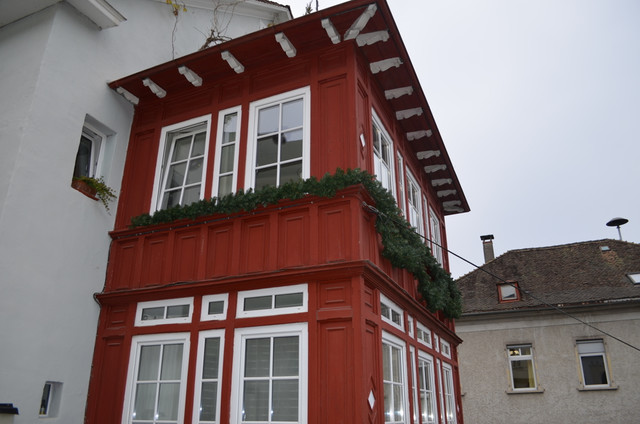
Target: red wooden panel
[
  {"x": 334, "y": 295},
  {"x": 123, "y": 263},
  {"x": 332, "y": 60},
  {"x": 219, "y": 251},
  {"x": 153, "y": 259},
  {"x": 254, "y": 250},
  {"x": 293, "y": 238},
  {"x": 334, "y": 232},
  {"x": 332, "y": 146},
  {"x": 137, "y": 181},
  {"x": 336, "y": 365},
  {"x": 186, "y": 255},
  {"x": 372, "y": 365},
  {"x": 189, "y": 103},
  {"x": 117, "y": 317},
  {"x": 105, "y": 407}
]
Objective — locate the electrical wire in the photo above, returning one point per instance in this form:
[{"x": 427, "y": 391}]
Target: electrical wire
[{"x": 521, "y": 290}]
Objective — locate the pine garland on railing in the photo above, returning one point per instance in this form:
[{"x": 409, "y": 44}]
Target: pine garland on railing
[{"x": 402, "y": 246}]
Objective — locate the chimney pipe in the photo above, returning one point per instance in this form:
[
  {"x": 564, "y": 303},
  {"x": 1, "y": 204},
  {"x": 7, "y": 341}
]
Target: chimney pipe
[{"x": 487, "y": 247}]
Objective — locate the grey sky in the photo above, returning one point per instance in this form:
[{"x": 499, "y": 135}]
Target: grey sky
[{"x": 538, "y": 104}]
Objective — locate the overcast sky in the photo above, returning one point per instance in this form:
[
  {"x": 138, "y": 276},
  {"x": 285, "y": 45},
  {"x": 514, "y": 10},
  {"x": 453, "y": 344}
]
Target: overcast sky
[{"x": 538, "y": 103}]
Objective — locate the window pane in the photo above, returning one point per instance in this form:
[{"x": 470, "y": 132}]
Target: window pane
[
  {"x": 288, "y": 300},
  {"x": 255, "y": 401},
  {"x": 285, "y": 356},
  {"x": 191, "y": 194},
  {"x": 171, "y": 362},
  {"x": 268, "y": 120},
  {"x": 388, "y": 402},
  {"x": 226, "y": 158},
  {"x": 290, "y": 172},
  {"x": 171, "y": 198},
  {"x": 211, "y": 358},
  {"x": 257, "y": 358},
  {"x": 181, "y": 149},
  {"x": 176, "y": 175},
  {"x": 208, "y": 399},
  {"x": 178, "y": 311},
  {"x": 198, "y": 145},
  {"x": 395, "y": 361},
  {"x": 216, "y": 307},
  {"x": 522, "y": 374},
  {"x": 225, "y": 185},
  {"x": 266, "y": 177},
  {"x": 144, "y": 405},
  {"x": 594, "y": 370},
  {"x": 83, "y": 158},
  {"x": 257, "y": 303},
  {"x": 195, "y": 171},
  {"x": 267, "y": 150},
  {"x": 285, "y": 400},
  {"x": 149, "y": 361},
  {"x": 398, "y": 410},
  {"x": 507, "y": 292},
  {"x": 292, "y": 114},
  {"x": 229, "y": 130},
  {"x": 386, "y": 364},
  {"x": 152, "y": 313},
  {"x": 291, "y": 145},
  {"x": 168, "y": 401}
]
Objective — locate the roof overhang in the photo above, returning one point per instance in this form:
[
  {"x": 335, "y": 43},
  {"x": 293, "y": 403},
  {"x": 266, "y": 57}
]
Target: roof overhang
[{"x": 366, "y": 23}]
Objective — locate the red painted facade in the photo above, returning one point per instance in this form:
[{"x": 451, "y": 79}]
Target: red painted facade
[{"x": 330, "y": 246}]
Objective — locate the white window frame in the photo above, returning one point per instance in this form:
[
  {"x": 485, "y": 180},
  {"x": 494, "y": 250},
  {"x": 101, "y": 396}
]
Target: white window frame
[
  {"x": 521, "y": 357},
  {"x": 429, "y": 387},
  {"x": 218, "y": 154},
  {"x": 397, "y": 343},
  {"x": 401, "y": 190},
  {"x": 426, "y": 339},
  {"x": 137, "y": 342},
  {"x": 204, "y": 313},
  {"x": 590, "y": 348},
  {"x": 410, "y": 324},
  {"x": 285, "y": 330},
  {"x": 50, "y": 401},
  {"x": 305, "y": 94},
  {"x": 163, "y": 152},
  {"x": 203, "y": 336},
  {"x": 436, "y": 236},
  {"x": 139, "y": 322},
  {"x": 384, "y": 300},
  {"x": 414, "y": 212},
  {"x": 377, "y": 125},
  {"x": 449, "y": 394},
  {"x": 273, "y": 292},
  {"x": 414, "y": 383},
  {"x": 445, "y": 348},
  {"x": 98, "y": 141}
]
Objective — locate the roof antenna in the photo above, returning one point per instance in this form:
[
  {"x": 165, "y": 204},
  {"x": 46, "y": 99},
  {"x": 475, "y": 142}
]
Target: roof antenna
[{"x": 617, "y": 222}]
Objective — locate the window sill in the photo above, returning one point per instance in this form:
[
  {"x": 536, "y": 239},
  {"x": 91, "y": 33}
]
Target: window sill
[
  {"x": 596, "y": 388},
  {"x": 524, "y": 392}
]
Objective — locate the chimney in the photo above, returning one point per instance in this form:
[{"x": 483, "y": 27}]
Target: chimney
[{"x": 487, "y": 247}]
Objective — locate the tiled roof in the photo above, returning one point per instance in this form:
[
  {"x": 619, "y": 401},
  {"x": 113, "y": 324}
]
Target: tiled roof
[{"x": 591, "y": 272}]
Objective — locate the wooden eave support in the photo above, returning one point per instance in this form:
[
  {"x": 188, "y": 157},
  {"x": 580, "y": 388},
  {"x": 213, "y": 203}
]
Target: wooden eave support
[
  {"x": 233, "y": 62},
  {"x": 372, "y": 38},
  {"x": 134, "y": 100},
  {"x": 398, "y": 92},
  {"x": 286, "y": 45},
  {"x": 191, "y": 76},
  {"x": 155, "y": 88},
  {"x": 332, "y": 32},
  {"x": 359, "y": 24},
  {"x": 385, "y": 64}
]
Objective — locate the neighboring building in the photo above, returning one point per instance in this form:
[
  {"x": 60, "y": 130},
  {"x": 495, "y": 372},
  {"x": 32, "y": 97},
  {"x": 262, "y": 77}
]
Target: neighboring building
[
  {"x": 288, "y": 313},
  {"x": 56, "y": 58},
  {"x": 531, "y": 352}
]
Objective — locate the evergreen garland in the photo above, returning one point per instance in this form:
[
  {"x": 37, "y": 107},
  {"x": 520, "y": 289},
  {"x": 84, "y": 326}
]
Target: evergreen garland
[{"x": 402, "y": 246}]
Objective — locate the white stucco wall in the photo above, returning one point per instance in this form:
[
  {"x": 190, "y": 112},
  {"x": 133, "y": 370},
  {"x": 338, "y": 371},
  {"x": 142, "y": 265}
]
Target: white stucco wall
[
  {"x": 54, "y": 66},
  {"x": 485, "y": 380}
]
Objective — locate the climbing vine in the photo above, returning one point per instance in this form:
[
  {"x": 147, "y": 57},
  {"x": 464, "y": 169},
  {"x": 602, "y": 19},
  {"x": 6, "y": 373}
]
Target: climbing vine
[{"x": 402, "y": 246}]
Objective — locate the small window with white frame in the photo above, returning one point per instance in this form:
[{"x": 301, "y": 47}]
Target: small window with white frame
[
  {"x": 226, "y": 163},
  {"x": 521, "y": 367},
  {"x": 279, "y": 139},
  {"x": 156, "y": 379},
  {"x": 391, "y": 313},
  {"x": 270, "y": 378},
  {"x": 423, "y": 335},
  {"x": 171, "y": 311},
  {"x": 414, "y": 201},
  {"x": 206, "y": 401},
  {"x": 436, "y": 239},
  {"x": 427, "y": 384},
  {"x": 594, "y": 370},
  {"x": 445, "y": 348},
  {"x": 50, "y": 401},
  {"x": 382, "y": 154},
  {"x": 273, "y": 301},
  {"x": 182, "y": 159},
  {"x": 634, "y": 277},
  {"x": 214, "y": 307},
  {"x": 89, "y": 152}
]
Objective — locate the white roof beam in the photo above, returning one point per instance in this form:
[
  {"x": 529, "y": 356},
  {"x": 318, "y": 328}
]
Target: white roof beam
[
  {"x": 408, "y": 113},
  {"x": 127, "y": 95},
  {"x": 155, "y": 88},
  {"x": 233, "y": 62},
  {"x": 415, "y": 135},
  {"x": 372, "y": 38},
  {"x": 426, "y": 154},
  {"x": 398, "y": 92},
  {"x": 191, "y": 76},
  {"x": 332, "y": 32},
  {"x": 286, "y": 45},
  {"x": 359, "y": 24},
  {"x": 434, "y": 168}
]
